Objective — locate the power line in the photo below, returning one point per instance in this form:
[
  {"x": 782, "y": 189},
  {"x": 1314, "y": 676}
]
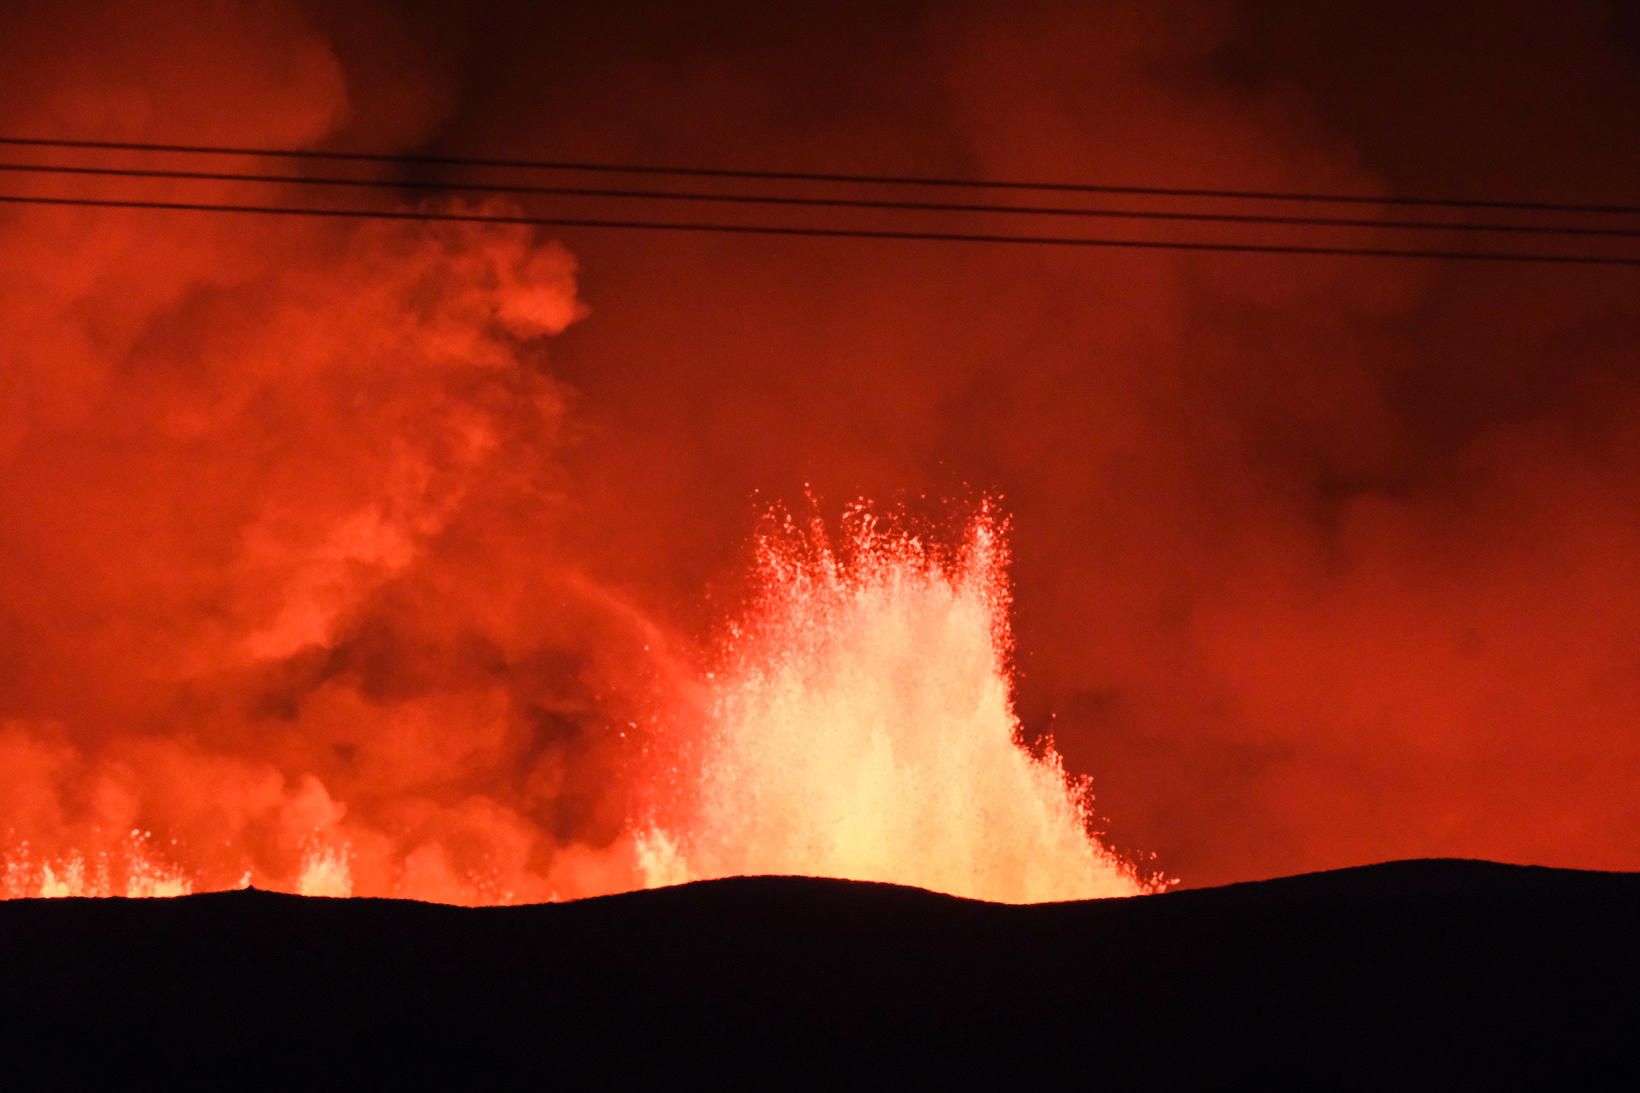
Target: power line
[
  {"x": 825, "y": 233},
  {"x": 821, "y": 202},
  {"x": 826, "y": 177}
]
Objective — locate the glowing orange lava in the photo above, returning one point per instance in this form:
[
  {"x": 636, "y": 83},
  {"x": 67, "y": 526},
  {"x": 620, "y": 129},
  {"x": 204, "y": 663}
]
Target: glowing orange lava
[
  {"x": 863, "y": 727},
  {"x": 132, "y": 868}
]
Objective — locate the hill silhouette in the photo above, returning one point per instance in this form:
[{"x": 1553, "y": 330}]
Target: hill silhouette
[{"x": 1418, "y": 973}]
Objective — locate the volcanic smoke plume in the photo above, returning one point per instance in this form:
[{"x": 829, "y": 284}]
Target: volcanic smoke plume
[
  {"x": 285, "y": 600},
  {"x": 375, "y": 558},
  {"x": 280, "y": 599},
  {"x": 261, "y": 483}
]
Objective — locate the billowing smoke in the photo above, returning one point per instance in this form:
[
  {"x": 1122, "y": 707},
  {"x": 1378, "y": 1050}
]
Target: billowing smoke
[
  {"x": 282, "y": 581},
  {"x": 370, "y": 553}
]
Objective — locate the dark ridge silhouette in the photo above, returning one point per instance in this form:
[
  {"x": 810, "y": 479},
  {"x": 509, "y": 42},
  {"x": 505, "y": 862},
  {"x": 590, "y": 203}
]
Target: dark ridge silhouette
[{"x": 1409, "y": 974}]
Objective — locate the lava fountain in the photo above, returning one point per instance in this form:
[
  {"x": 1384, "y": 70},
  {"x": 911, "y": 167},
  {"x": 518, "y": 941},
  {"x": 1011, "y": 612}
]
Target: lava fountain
[{"x": 862, "y": 726}]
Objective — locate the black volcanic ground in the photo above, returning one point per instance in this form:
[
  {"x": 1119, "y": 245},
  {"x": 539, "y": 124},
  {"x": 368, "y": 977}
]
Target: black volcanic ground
[{"x": 1409, "y": 974}]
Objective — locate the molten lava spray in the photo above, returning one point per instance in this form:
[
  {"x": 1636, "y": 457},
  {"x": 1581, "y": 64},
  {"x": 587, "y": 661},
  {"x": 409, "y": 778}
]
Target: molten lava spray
[
  {"x": 863, "y": 727},
  {"x": 130, "y": 868}
]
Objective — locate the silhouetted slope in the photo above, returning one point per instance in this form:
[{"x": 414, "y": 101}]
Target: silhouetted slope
[{"x": 1412, "y": 973}]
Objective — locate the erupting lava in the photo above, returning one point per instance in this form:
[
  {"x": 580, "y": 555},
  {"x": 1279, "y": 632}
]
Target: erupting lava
[
  {"x": 863, "y": 727},
  {"x": 859, "y": 725},
  {"x": 133, "y": 869}
]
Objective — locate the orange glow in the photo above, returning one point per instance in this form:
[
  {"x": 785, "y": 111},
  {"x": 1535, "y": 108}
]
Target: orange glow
[
  {"x": 863, "y": 727},
  {"x": 860, "y": 726},
  {"x": 387, "y": 558}
]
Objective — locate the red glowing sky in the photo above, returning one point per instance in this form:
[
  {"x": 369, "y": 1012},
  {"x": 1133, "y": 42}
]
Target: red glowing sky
[{"x": 423, "y": 533}]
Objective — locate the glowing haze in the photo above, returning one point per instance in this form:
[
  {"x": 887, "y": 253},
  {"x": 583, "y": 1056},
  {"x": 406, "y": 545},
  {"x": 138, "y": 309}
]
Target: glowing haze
[
  {"x": 859, "y": 724},
  {"x": 295, "y": 581},
  {"x": 394, "y": 558}
]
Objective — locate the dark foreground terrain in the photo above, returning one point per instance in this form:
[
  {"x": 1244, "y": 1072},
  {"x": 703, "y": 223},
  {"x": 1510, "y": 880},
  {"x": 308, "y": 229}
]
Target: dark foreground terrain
[{"x": 1420, "y": 974}]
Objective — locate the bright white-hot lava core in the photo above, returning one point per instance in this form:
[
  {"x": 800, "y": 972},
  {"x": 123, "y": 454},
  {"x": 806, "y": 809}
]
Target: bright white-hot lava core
[
  {"x": 857, "y": 723},
  {"x": 863, "y": 727}
]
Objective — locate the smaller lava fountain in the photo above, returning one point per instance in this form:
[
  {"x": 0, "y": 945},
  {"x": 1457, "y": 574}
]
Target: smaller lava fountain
[{"x": 132, "y": 868}]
